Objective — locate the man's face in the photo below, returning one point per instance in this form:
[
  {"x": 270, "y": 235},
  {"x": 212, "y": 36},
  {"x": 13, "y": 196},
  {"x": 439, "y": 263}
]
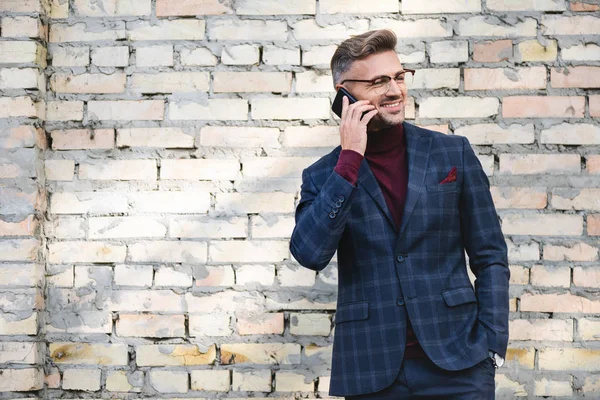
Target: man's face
[{"x": 391, "y": 104}]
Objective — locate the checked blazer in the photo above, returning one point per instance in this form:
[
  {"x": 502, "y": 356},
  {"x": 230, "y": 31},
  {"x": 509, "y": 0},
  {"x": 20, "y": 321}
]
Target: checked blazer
[{"x": 386, "y": 276}]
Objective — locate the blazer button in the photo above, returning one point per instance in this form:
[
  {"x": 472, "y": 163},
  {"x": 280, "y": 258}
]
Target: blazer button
[
  {"x": 400, "y": 258},
  {"x": 338, "y": 204},
  {"x": 341, "y": 199},
  {"x": 401, "y": 302},
  {"x": 332, "y": 215}
]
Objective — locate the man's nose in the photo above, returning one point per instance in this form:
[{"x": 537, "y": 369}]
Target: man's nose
[{"x": 394, "y": 88}]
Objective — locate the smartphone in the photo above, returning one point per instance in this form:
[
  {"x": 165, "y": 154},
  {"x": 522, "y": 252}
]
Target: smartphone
[{"x": 336, "y": 107}]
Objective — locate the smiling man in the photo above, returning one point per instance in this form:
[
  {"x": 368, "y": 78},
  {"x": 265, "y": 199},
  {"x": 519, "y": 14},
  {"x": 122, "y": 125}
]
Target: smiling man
[{"x": 401, "y": 205}]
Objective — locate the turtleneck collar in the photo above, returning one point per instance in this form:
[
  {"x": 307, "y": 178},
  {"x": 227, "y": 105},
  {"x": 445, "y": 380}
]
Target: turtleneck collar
[{"x": 385, "y": 140}]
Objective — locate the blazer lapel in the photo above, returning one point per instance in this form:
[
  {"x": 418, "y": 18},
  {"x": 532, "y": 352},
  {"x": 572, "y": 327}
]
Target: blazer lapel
[
  {"x": 417, "y": 152},
  {"x": 368, "y": 181}
]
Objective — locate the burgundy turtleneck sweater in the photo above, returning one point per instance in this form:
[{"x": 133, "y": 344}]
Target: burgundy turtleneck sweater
[{"x": 386, "y": 155}]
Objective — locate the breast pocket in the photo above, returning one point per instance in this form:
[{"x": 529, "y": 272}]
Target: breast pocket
[{"x": 355, "y": 311}]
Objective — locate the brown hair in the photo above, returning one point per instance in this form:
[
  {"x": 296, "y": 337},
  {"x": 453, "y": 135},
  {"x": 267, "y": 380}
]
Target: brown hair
[{"x": 359, "y": 47}]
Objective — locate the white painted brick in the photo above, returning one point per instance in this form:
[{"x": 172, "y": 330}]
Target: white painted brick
[
  {"x": 175, "y": 355},
  {"x": 199, "y": 56},
  {"x": 310, "y": 324},
  {"x": 210, "y": 325},
  {"x": 18, "y": 250},
  {"x": 542, "y": 225},
  {"x": 200, "y": 169},
  {"x": 125, "y": 227},
  {"x": 88, "y": 83},
  {"x": 148, "y": 325},
  {"x": 357, "y": 6},
  {"x": 318, "y": 55},
  {"x": 119, "y": 170},
  {"x": 526, "y": 5},
  {"x": 221, "y": 275},
  {"x": 575, "y": 252},
  {"x": 169, "y": 251},
  {"x": 446, "y": 52},
  {"x": 314, "y": 81},
  {"x": 27, "y": 326},
  {"x": 440, "y": 6},
  {"x": 134, "y": 275},
  {"x": 458, "y": 107},
  {"x": 61, "y": 276},
  {"x": 20, "y": 27},
  {"x": 125, "y": 110},
  {"x": 254, "y": 203},
  {"x": 169, "y": 381},
  {"x": 531, "y": 164},
  {"x": 19, "y": 352},
  {"x": 144, "y": 300},
  {"x": 549, "y": 387},
  {"x": 255, "y": 274},
  {"x": 570, "y": 25},
  {"x": 21, "y": 380},
  {"x": 551, "y": 276},
  {"x": 276, "y": 7},
  {"x": 244, "y": 54},
  {"x": 496, "y": 134},
  {"x": 88, "y": 202},
  {"x": 310, "y": 30},
  {"x": 166, "y": 8},
  {"x": 318, "y": 136},
  {"x": 154, "y": 56},
  {"x": 578, "y": 134},
  {"x": 123, "y": 381},
  {"x": 170, "y": 82},
  {"x": 295, "y": 276},
  {"x": 420, "y": 28},
  {"x": 114, "y": 8},
  {"x": 248, "y": 251},
  {"x": 292, "y": 382},
  {"x": 243, "y": 82},
  {"x": 290, "y": 108},
  {"x": 70, "y": 56},
  {"x": 20, "y": 274},
  {"x": 273, "y": 55},
  {"x": 223, "y": 136},
  {"x": 523, "y": 252},
  {"x": 185, "y": 202},
  {"x": 169, "y": 138},
  {"x": 221, "y": 30},
  {"x": 436, "y": 79},
  {"x": 82, "y": 379},
  {"x": 211, "y": 380},
  {"x": 173, "y": 276},
  {"x": 581, "y": 52},
  {"x": 64, "y": 111},
  {"x": 20, "y": 78},
  {"x": 111, "y": 56},
  {"x": 80, "y": 251},
  {"x": 210, "y": 110},
  {"x": 256, "y": 381},
  {"x": 182, "y": 29},
  {"x": 272, "y": 226},
  {"x": 225, "y": 302},
  {"x": 276, "y": 167},
  {"x": 92, "y": 276},
  {"x": 59, "y": 170},
  {"x": 494, "y": 27},
  {"x": 234, "y": 227},
  {"x": 576, "y": 199}
]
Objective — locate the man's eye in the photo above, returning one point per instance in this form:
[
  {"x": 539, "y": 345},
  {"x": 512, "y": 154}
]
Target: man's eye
[
  {"x": 378, "y": 82},
  {"x": 400, "y": 78}
]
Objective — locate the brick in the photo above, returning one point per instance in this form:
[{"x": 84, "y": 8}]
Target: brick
[
  {"x": 576, "y": 134},
  {"x": 222, "y": 136},
  {"x": 582, "y": 6},
  {"x": 593, "y": 164},
  {"x": 123, "y": 381},
  {"x": 448, "y": 52},
  {"x": 581, "y": 52},
  {"x": 255, "y": 275},
  {"x": 494, "y": 27},
  {"x": 154, "y": 56},
  {"x": 272, "y": 226},
  {"x": 157, "y": 326},
  {"x": 178, "y": 29},
  {"x": 436, "y": 79},
  {"x": 64, "y": 111},
  {"x": 277, "y": 7},
  {"x": 313, "y": 81},
  {"x": 244, "y": 54},
  {"x": 543, "y": 106},
  {"x": 88, "y": 353},
  {"x": 19, "y": 249},
  {"x": 112, "y": 8},
  {"x": 317, "y": 136},
  {"x": 586, "y": 277},
  {"x": 78, "y": 32},
  {"x": 169, "y": 251},
  {"x": 20, "y": 78},
  {"x": 257, "y": 380},
  {"x": 310, "y": 324},
  {"x": 526, "y": 5},
  {"x": 292, "y": 276},
  {"x": 458, "y": 107},
  {"x": 263, "y": 324},
  {"x": 205, "y": 227},
  {"x": 531, "y": 164},
  {"x": 120, "y": 110},
  {"x": 318, "y": 56},
  {"x": 310, "y": 30},
  {"x": 576, "y": 199},
  {"x": 273, "y": 55},
  {"x": 225, "y": 302},
  {"x": 519, "y": 275},
  {"x": 570, "y": 25},
  {"x": 275, "y": 167},
  {"x": 61, "y": 276},
  {"x": 18, "y": 163},
  {"x": 26, "y": 227},
  {"x": 593, "y": 222},
  {"x": 569, "y": 359},
  {"x": 254, "y": 203},
  {"x": 21, "y": 380},
  {"x": 522, "y": 357},
  {"x": 187, "y": 202},
  {"x": 174, "y": 355},
  {"x": 26, "y": 326},
  {"x": 248, "y": 251},
  {"x": 88, "y": 83},
  {"x": 242, "y": 82},
  {"x": 496, "y": 134},
  {"x": 282, "y": 303},
  {"x": 356, "y": 7},
  {"x": 133, "y": 275},
  {"x": 577, "y": 77},
  {"x": 440, "y": 6},
  {"x": 166, "y": 8},
  {"x": 87, "y": 322},
  {"x": 420, "y": 28},
  {"x": 505, "y": 79},
  {"x": 124, "y": 170},
  {"x": 83, "y": 139},
  {"x": 21, "y": 6},
  {"x": 532, "y": 50},
  {"x": 210, "y": 325},
  {"x": 512, "y": 305},
  {"x": 551, "y": 276},
  {"x": 20, "y": 27},
  {"x": 247, "y": 30},
  {"x": 292, "y": 382},
  {"x": 19, "y": 353},
  {"x": 272, "y": 353},
  {"x": 19, "y": 52},
  {"x": 412, "y": 54},
  {"x": 198, "y": 56},
  {"x": 18, "y": 136},
  {"x": 82, "y": 379},
  {"x": 566, "y": 303},
  {"x": 200, "y": 169},
  {"x": 510, "y": 388},
  {"x": 546, "y": 387},
  {"x": 180, "y": 276},
  {"x": 221, "y": 275},
  {"x": 493, "y": 51},
  {"x": 211, "y": 380},
  {"x": 519, "y": 197},
  {"x": 210, "y": 110},
  {"x": 169, "y": 381},
  {"x": 589, "y": 329},
  {"x": 20, "y": 275},
  {"x": 290, "y": 108},
  {"x": 111, "y": 56},
  {"x": 80, "y": 251},
  {"x": 168, "y": 138},
  {"x": 542, "y": 225},
  {"x": 575, "y": 252},
  {"x": 170, "y": 82},
  {"x": 125, "y": 227},
  {"x": 70, "y": 56},
  {"x": 11, "y": 107},
  {"x": 87, "y": 202},
  {"x": 144, "y": 300}
]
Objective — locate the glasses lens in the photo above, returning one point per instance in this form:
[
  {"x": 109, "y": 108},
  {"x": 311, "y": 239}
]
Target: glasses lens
[{"x": 406, "y": 79}]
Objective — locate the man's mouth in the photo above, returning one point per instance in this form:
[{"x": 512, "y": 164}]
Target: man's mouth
[{"x": 391, "y": 106}]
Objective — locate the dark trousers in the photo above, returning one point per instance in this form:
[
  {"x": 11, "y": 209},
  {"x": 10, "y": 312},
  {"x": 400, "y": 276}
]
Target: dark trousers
[{"x": 421, "y": 379}]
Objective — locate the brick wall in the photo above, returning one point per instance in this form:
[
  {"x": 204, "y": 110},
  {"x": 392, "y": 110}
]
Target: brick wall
[{"x": 151, "y": 153}]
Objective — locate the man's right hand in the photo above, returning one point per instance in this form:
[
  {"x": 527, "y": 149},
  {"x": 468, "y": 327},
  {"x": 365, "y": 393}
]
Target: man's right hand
[{"x": 353, "y": 129}]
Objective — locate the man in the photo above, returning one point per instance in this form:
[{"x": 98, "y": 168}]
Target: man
[{"x": 401, "y": 204}]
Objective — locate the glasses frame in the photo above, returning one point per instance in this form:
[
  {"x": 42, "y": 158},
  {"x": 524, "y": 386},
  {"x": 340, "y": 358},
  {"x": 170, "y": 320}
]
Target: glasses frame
[{"x": 372, "y": 81}]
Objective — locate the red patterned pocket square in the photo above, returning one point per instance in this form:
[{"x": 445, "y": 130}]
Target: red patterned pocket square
[{"x": 451, "y": 176}]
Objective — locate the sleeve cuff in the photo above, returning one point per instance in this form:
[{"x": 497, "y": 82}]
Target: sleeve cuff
[{"x": 348, "y": 165}]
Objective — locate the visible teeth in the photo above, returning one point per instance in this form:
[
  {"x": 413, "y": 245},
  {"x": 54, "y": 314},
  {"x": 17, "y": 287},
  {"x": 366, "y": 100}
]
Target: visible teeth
[{"x": 391, "y": 105}]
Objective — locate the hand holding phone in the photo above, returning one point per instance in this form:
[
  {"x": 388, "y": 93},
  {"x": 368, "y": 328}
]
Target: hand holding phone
[{"x": 355, "y": 115}]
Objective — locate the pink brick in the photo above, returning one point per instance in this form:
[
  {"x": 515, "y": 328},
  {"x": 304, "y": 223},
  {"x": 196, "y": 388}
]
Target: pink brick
[
  {"x": 593, "y": 165},
  {"x": 595, "y": 106},
  {"x": 576, "y": 77},
  {"x": 581, "y": 6},
  {"x": 267, "y": 324},
  {"x": 496, "y": 51},
  {"x": 505, "y": 79},
  {"x": 593, "y": 224},
  {"x": 543, "y": 106}
]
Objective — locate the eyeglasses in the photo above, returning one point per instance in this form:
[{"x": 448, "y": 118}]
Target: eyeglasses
[{"x": 381, "y": 85}]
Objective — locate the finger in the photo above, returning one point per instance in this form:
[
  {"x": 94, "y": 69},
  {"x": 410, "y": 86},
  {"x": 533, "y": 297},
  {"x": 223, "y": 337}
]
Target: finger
[
  {"x": 365, "y": 120},
  {"x": 345, "y": 103},
  {"x": 358, "y": 111}
]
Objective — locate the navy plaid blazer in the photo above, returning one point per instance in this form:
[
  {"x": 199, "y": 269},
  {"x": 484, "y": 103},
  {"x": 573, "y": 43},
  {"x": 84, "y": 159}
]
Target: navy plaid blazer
[{"x": 418, "y": 271}]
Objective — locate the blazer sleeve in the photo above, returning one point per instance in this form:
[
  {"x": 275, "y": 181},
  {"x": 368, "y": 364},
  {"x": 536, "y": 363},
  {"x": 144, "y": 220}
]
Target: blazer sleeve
[
  {"x": 487, "y": 251},
  {"x": 321, "y": 217}
]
